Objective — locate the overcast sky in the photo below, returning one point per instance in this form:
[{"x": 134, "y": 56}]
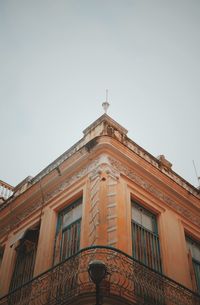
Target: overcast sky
[{"x": 57, "y": 57}]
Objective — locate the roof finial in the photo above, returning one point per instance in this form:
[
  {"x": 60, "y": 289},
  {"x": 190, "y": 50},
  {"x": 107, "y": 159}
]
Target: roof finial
[{"x": 105, "y": 104}]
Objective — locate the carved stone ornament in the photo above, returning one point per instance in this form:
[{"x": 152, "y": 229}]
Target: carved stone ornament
[
  {"x": 154, "y": 191},
  {"x": 94, "y": 209},
  {"x": 17, "y": 218},
  {"x": 112, "y": 168}
]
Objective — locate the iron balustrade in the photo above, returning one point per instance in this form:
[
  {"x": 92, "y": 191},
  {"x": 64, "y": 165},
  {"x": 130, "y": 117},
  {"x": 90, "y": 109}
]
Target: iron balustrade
[
  {"x": 69, "y": 283},
  {"x": 146, "y": 247},
  {"x": 71, "y": 239}
]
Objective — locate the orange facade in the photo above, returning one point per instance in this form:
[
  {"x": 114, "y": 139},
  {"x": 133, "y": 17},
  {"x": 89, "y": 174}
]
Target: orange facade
[{"x": 104, "y": 191}]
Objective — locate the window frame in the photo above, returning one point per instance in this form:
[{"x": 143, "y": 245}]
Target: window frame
[
  {"x": 26, "y": 251},
  {"x": 157, "y": 256},
  {"x": 194, "y": 261},
  {"x": 59, "y": 226},
  {"x": 147, "y": 212}
]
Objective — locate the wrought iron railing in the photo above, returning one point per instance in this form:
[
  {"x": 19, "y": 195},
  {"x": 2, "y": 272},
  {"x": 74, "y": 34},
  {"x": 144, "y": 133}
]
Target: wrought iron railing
[
  {"x": 146, "y": 247},
  {"x": 71, "y": 239},
  {"x": 127, "y": 282}
]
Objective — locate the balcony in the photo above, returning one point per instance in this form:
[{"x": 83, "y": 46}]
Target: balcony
[{"x": 127, "y": 282}]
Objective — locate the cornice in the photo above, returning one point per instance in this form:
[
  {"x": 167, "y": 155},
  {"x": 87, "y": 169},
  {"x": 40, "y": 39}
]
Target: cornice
[
  {"x": 27, "y": 208},
  {"x": 149, "y": 187},
  {"x": 115, "y": 131},
  {"x": 106, "y": 126},
  {"x": 163, "y": 182},
  {"x": 100, "y": 157},
  {"x": 109, "y": 121}
]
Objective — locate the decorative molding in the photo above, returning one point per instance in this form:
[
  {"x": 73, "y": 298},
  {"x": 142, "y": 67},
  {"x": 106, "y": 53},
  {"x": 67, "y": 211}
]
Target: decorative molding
[
  {"x": 18, "y": 217},
  {"x": 113, "y": 177},
  {"x": 94, "y": 207},
  {"x": 106, "y": 120},
  {"x": 132, "y": 175},
  {"x": 114, "y": 132},
  {"x": 112, "y": 168},
  {"x": 159, "y": 165},
  {"x": 105, "y": 125}
]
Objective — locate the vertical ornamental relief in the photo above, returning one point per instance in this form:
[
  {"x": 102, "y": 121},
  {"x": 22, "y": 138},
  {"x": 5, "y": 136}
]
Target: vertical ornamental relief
[
  {"x": 111, "y": 204},
  {"x": 103, "y": 206},
  {"x": 94, "y": 209}
]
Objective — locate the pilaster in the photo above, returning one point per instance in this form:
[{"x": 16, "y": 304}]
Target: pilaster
[
  {"x": 44, "y": 256},
  {"x": 124, "y": 218},
  {"x": 111, "y": 203},
  {"x": 103, "y": 205},
  {"x": 7, "y": 266},
  {"x": 174, "y": 254},
  {"x": 85, "y": 222},
  {"x": 94, "y": 210}
]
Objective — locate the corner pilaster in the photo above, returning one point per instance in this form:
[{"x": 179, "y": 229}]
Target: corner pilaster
[
  {"x": 7, "y": 266},
  {"x": 44, "y": 256}
]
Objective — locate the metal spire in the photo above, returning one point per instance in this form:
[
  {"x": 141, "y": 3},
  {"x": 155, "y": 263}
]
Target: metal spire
[{"x": 105, "y": 104}]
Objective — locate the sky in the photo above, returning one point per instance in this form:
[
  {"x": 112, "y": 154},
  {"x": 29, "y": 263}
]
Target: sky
[{"x": 57, "y": 58}]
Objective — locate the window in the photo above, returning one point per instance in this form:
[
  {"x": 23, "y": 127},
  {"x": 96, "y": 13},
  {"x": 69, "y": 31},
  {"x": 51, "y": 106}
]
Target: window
[
  {"x": 68, "y": 231},
  {"x": 25, "y": 260},
  {"x": 145, "y": 239},
  {"x": 194, "y": 261},
  {"x": 24, "y": 266},
  {"x": 146, "y": 249}
]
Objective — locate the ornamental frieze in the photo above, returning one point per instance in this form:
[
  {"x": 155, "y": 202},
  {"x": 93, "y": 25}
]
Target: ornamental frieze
[
  {"x": 112, "y": 168},
  {"x": 154, "y": 191},
  {"x": 18, "y": 218},
  {"x": 36, "y": 205}
]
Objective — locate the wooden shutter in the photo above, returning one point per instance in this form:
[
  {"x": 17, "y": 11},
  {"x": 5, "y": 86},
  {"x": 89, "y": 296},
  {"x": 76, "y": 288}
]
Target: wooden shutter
[
  {"x": 25, "y": 262},
  {"x": 145, "y": 239},
  {"x": 67, "y": 241},
  {"x": 191, "y": 267},
  {"x": 194, "y": 262}
]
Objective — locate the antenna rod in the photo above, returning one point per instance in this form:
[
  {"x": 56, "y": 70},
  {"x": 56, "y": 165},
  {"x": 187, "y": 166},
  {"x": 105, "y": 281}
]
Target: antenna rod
[{"x": 198, "y": 178}]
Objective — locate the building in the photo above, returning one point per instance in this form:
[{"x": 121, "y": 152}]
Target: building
[{"x": 105, "y": 204}]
